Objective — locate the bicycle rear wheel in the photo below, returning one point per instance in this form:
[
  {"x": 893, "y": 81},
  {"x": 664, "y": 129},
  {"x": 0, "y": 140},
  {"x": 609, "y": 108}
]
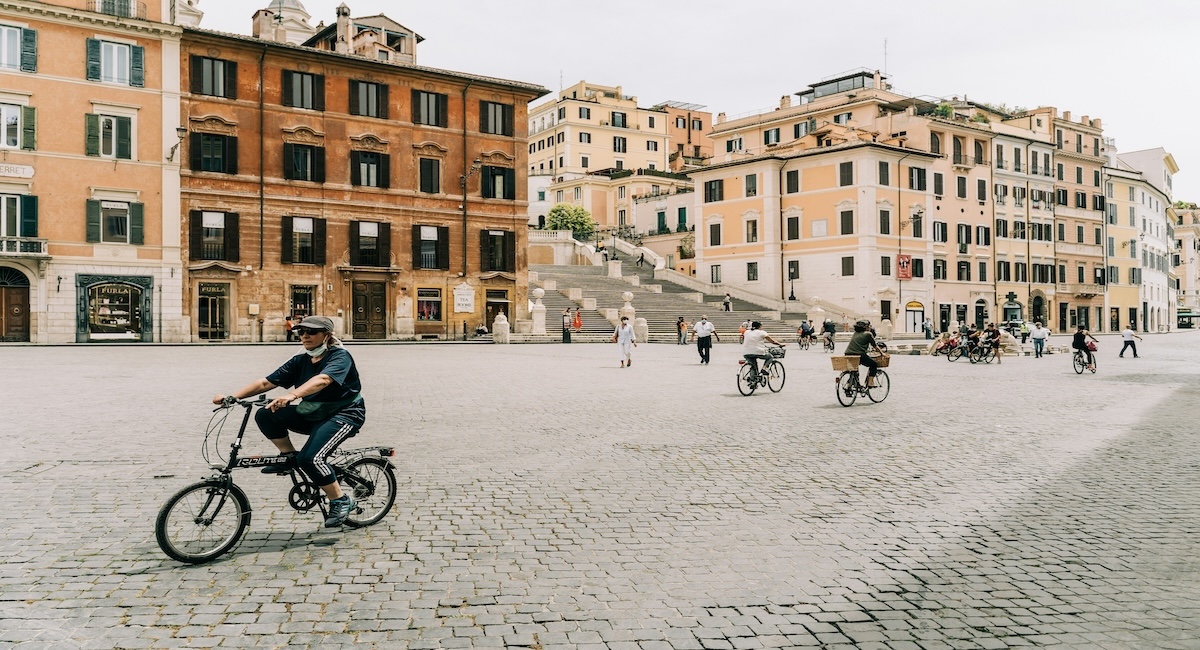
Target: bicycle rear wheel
[
  {"x": 883, "y": 386},
  {"x": 1078, "y": 363},
  {"x": 202, "y": 522},
  {"x": 776, "y": 375},
  {"x": 847, "y": 388},
  {"x": 954, "y": 355},
  {"x": 745, "y": 380},
  {"x": 989, "y": 355},
  {"x": 372, "y": 484}
]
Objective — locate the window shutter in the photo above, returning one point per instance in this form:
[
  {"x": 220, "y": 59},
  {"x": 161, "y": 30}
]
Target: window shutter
[
  {"x": 383, "y": 101},
  {"x": 319, "y": 92},
  {"x": 486, "y": 185},
  {"x": 197, "y": 72},
  {"x": 442, "y": 109},
  {"x": 194, "y": 152},
  {"x": 287, "y": 88},
  {"x": 233, "y": 238},
  {"x": 92, "y": 62},
  {"x": 507, "y": 115},
  {"x": 416, "y": 106},
  {"x": 416, "y": 246},
  {"x": 29, "y": 216},
  {"x": 28, "y": 50},
  {"x": 286, "y": 249},
  {"x": 385, "y": 170},
  {"x": 319, "y": 164},
  {"x": 92, "y": 134},
  {"x": 231, "y": 79},
  {"x": 93, "y": 221},
  {"x": 510, "y": 252},
  {"x": 195, "y": 234},
  {"x": 443, "y": 247},
  {"x": 28, "y": 127},
  {"x": 137, "y": 66},
  {"x": 137, "y": 223},
  {"x": 484, "y": 122},
  {"x": 355, "y": 253},
  {"x": 231, "y": 155},
  {"x": 510, "y": 184},
  {"x": 318, "y": 241},
  {"x": 124, "y": 138},
  {"x": 289, "y": 170},
  {"x": 384, "y": 244},
  {"x": 354, "y": 107},
  {"x": 483, "y": 250},
  {"x": 355, "y": 178}
]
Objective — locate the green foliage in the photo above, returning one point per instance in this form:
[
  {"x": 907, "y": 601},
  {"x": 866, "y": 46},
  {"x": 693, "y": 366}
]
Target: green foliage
[
  {"x": 944, "y": 110},
  {"x": 979, "y": 117},
  {"x": 687, "y": 246},
  {"x": 1184, "y": 205},
  {"x": 565, "y": 216}
]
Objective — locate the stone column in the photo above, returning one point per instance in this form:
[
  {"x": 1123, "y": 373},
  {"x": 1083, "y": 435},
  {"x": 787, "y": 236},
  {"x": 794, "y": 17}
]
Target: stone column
[
  {"x": 614, "y": 268},
  {"x": 539, "y": 311},
  {"x": 500, "y": 329},
  {"x": 627, "y": 310}
]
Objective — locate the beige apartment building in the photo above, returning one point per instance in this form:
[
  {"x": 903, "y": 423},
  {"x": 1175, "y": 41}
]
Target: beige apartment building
[
  {"x": 1079, "y": 160},
  {"x": 1156, "y": 220},
  {"x": 688, "y": 126},
  {"x": 1187, "y": 263},
  {"x": 89, "y": 181}
]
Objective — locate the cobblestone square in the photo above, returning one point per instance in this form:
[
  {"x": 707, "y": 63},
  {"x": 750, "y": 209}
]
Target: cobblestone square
[{"x": 550, "y": 499}]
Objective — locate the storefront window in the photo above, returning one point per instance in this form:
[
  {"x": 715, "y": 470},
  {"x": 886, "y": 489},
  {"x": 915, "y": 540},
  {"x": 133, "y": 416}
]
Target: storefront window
[
  {"x": 302, "y": 301},
  {"x": 429, "y": 305},
  {"x": 115, "y": 312},
  {"x": 212, "y": 311}
]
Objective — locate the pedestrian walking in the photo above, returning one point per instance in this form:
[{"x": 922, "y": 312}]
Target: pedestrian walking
[
  {"x": 626, "y": 341},
  {"x": 1024, "y": 332},
  {"x": 566, "y": 325},
  {"x": 704, "y": 332},
  {"x": 727, "y": 302},
  {"x": 577, "y": 321},
  {"x": 288, "y": 324},
  {"x": 1127, "y": 336},
  {"x": 1039, "y": 335},
  {"x": 641, "y": 259},
  {"x": 681, "y": 330}
]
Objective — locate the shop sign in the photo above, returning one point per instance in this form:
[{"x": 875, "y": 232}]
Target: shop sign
[
  {"x": 16, "y": 171},
  {"x": 464, "y": 298}
]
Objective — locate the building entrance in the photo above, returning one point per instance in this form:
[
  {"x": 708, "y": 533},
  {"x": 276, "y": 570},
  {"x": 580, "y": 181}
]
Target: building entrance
[
  {"x": 14, "y": 305},
  {"x": 212, "y": 311},
  {"x": 370, "y": 310}
]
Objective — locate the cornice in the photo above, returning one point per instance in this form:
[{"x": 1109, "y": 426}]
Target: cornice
[{"x": 67, "y": 15}]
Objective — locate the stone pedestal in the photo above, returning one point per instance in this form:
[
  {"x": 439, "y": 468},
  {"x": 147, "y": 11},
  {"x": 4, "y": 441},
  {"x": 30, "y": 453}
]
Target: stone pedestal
[
  {"x": 884, "y": 331},
  {"x": 589, "y": 304},
  {"x": 614, "y": 268},
  {"x": 538, "y": 313},
  {"x": 641, "y": 331},
  {"x": 627, "y": 311},
  {"x": 500, "y": 332}
]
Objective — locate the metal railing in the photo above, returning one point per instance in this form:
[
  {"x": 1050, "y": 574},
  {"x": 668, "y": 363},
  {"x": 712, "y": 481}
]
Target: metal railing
[
  {"x": 23, "y": 247},
  {"x": 119, "y": 8}
]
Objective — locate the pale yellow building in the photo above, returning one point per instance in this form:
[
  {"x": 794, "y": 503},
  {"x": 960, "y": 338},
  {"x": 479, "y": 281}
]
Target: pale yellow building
[{"x": 1187, "y": 263}]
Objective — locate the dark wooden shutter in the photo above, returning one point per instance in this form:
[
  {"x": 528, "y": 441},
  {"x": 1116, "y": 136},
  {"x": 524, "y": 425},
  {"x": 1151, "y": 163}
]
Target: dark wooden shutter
[
  {"x": 484, "y": 122},
  {"x": 28, "y": 50},
  {"x": 355, "y": 174},
  {"x": 233, "y": 238},
  {"x": 318, "y": 164},
  {"x": 384, "y": 244},
  {"x": 91, "y": 124},
  {"x": 285, "y": 256},
  {"x": 28, "y": 127},
  {"x": 197, "y": 160},
  {"x": 510, "y": 184},
  {"x": 230, "y": 79},
  {"x": 385, "y": 170},
  {"x": 319, "y": 92},
  {"x": 92, "y": 62},
  {"x": 289, "y": 153},
  {"x": 355, "y": 245},
  {"x": 197, "y": 72},
  {"x": 510, "y": 251},
  {"x": 231, "y": 154},
  {"x": 416, "y": 246},
  {"x": 383, "y": 101},
  {"x": 506, "y": 112},
  {"x": 484, "y": 263},
  {"x": 443, "y": 247},
  {"x": 124, "y": 138},
  {"x": 29, "y": 216},
  {"x": 442, "y": 113},
  {"x": 287, "y": 88},
  {"x": 137, "y": 66},
  {"x": 354, "y": 105},
  {"x": 93, "y": 221},
  {"x": 416, "y": 106},
  {"x": 318, "y": 241},
  {"x": 195, "y": 234},
  {"x": 137, "y": 223},
  {"x": 486, "y": 184}
]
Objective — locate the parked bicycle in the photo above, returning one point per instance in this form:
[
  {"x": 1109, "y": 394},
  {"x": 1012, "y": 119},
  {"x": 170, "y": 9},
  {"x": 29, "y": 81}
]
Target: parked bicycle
[
  {"x": 205, "y": 520},
  {"x": 1079, "y": 359},
  {"x": 771, "y": 374},
  {"x": 849, "y": 385}
]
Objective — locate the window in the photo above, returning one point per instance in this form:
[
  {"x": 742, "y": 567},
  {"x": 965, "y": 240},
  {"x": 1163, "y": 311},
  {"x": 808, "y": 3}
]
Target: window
[
  {"x": 213, "y": 236},
  {"x": 214, "y": 153},
  {"x": 801, "y": 129},
  {"x": 935, "y": 143},
  {"x": 751, "y": 185},
  {"x": 1060, "y": 196},
  {"x": 964, "y": 234},
  {"x": 1080, "y": 274},
  {"x": 585, "y": 138},
  {"x": 1062, "y": 232},
  {"x": 562, "y": 112},
  {"x": 115, "y": 222},
  {"x": 962, "y": 187},
  {"x": 302, "y": 162},
  {"x": 109, "y": 136},
  {"x": 916, "y": 179},
  {"x": 499, "y": 183},
  {"x": 1079, "y": 234},
  {"x": 751, "y": 232},
  {"x": 751, "y": 271},
  {"x": 714, "y": 234},
  {"x": 20, "y": 126},
  {"x": 714, "y": 273},
  {"x": 846, "y": 219},
  {"x": 1018, "y": 230},
  {"x": 370, "y": 244},
  {"x": 1096, "y": 177},
  {"x": 842, "y": 118},
  {"x": 981, "y": 190},
  {"x": 733, "y": 144},
  {"x": 621, "y": 192},
  {"x": 939, "y": 186},
  {"x": 847, "y": 266},
  {"x": 304, "y": 90},
  {"x": 618, "y": 120},
  {"x": 884, "y": 176},
  {"x": 578, "y": 193},
  {"x": 845, "y": 174},
  {"x": 303, "y": 240},
  {"x": 1081, "y": 200},
  {"x": 1079, "y": 175},
  {"x": 18, "y": 216},
  {"x": 558, "y": 196},
  {"x": 1060, "y": 171},
  {"x": 429, "y": 305},
  {"x": 651, "y": 145},
  {"x": 498, "y": 250},
  {"x": 1099, "y": 238},
  {"x": 496, "y": 119},
  {"x": 983, "y": 236},
  {"x": 771, "y": 136},
  {"x": 116, "y": 63},
  {"x": 1017, "y": 159},
  {"x": 619, "y": 144},
  {"x": 885, "y": 265},
  {"x": 585, "y": 113},
  {"x": 940, "y": 231},
  {"x": 918, "y": 267},
  {"x": 793, "y": 228},
  {"x": 1002, "y": 228},
  {"x": 682, "y": 220},
  {"x": 885, "y": 222},
  {"x": 583, "y": 162},
  {"x": 983, "y": 271},
  {"x": 939, "y": 269},
  {"x": 793, "y": 181},
  {"x": 681, "y": 122},
  {"x": 1078, "y": 143},
  {"x": 369, "y": 169},
  {"x": 431, "y": 177},
  {"x": 431, "y": 247},
  {"x": 697, "y": 125},
  {"x": 918, "y": 230},
  {"x": 964, "y": 271},
  {"x": 214, "y": 77},
  {"x": 429, "y": 108},
  {"x": 714, "y": 191},
  {"x": 18, "y": 49}
]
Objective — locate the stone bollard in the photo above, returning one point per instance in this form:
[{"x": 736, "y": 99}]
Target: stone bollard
[
  {"x": 500, "y": 329},
  {"x": 641, "y": 330},
  {"x": 627, "y": 311},
  {"x": 539, "y": 311},
  {"x": 614, "y": 268}
]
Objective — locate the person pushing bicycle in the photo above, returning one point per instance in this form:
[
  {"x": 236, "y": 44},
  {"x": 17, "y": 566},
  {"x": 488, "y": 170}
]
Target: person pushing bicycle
[
  {"x": 862, "y": 342},
  {"x": 325, "y": 378},
  {"x": 754, "y": 345}
]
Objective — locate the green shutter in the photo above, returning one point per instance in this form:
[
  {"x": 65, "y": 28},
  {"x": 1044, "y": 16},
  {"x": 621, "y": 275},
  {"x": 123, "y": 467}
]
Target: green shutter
[
  {"x": 137, "y": 223},
  {"x": 355, "y": 176},
  {"x": 29, "y": 216},
  {"x": 318, "y": 164},
  {"x": 354, "y": 107},
  {"x": 384, "y": 244},
  {"x": 232, "y": 237},
  {"x": 28, "y": 127},
  {"x": 124, "y": 138},
  {"x": 195, "y": 234},
  {"x": 137, "y": 66},
  {"x": 289, "y": 161},
  {"x": 91, "y": 125},
  {"x": 385, "y": 171},
  {"x": 28, "y": 50},
  {"x": 286, "y": 249},
  {"x": 93, "y": 221},
  {"x": 195, "y": 151},
  {"x": 93, "y": 60}
]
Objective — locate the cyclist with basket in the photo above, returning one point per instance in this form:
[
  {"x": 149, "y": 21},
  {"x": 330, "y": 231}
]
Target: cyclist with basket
[
  {"x": 862, "y": 342},
  {"x": 1080, "y": 342},
  {"x": 332, "y": 410},
  {"x": 754, "y": 345}
]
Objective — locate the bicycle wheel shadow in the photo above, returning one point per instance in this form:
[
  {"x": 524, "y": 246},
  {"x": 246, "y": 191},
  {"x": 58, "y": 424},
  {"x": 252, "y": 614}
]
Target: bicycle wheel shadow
[{"x": 260, "y": 542}]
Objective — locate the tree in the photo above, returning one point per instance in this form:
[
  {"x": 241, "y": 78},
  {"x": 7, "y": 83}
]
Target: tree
[{"x": 565, "y": 216}]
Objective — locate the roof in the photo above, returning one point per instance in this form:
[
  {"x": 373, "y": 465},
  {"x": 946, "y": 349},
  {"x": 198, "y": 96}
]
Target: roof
[
  {"x": 803, "y": 153},
  {"x": 378, "y": 20}
]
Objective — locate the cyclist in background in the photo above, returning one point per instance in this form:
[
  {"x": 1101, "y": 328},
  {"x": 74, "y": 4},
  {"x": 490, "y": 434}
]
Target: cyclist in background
[
  {"x": 828, "y": 328},
  {"x": 1079, "y": 342},
  {"x": 754, "y": 345},
  {"x": 862, "y": 342}
]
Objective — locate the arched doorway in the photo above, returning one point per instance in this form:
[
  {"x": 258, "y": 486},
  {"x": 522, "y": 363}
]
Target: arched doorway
[
  {"x": 914, "y": 316},
  {"x": 14, "y": 305},
  {"x": 981, "y": 313},
  {"x": 1038, "y": 314}
]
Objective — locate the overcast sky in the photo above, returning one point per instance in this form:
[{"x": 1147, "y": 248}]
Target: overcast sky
[{"x": 1133, "y": 64}]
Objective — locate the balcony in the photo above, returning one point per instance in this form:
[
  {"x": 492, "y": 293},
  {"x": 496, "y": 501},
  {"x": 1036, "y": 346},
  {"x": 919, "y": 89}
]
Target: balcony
[
  {"x": 1080, "y": 290},
  {"x": 23, "y": 247},
  {"x": 963, "y": 160},
  {"x": 119, "y": 8}
]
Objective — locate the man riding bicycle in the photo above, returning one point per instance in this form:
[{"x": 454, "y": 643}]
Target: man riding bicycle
[
  {"x": 827, "y": 329},
  {"x": 862, "y": 342},
  {"x": 332, "y": 410},
  {"x": 754, "y": 345}
]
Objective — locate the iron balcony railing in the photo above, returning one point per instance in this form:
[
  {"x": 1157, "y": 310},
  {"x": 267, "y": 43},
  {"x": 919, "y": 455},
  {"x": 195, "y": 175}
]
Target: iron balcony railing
[
  {"x": 23, "y": 247},
  {"x": 119, "y": 8}
]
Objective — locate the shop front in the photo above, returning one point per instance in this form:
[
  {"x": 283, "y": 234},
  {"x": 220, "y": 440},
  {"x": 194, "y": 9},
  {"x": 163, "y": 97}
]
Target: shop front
[
  {"x": 114, "y": 308},
  {"x": 14, "y": 305}
]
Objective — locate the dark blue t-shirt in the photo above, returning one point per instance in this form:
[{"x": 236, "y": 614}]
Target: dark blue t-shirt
[{"x": 337, "y": 363}]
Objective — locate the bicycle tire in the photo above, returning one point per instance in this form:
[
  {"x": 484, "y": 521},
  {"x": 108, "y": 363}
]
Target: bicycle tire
[
  {"x": 829, "y": 345},
  {"x": 1078, "y": 363},
  {"x": 803, "y": 344},
  {"x": 954, "y": 355},
  {"x": 975, "y": 356},
  {"x": 1093, "y": 366},
  {"x": 847, "y": 388},
  {"x": 746, "y": 384},
  {"x": 776, "y": 377},
  {"x": 203, "y": 535},
  {"x": 988, "y": 355},
  {"x": 363, "y": 480},
  {"x": 883, "y": 386}
]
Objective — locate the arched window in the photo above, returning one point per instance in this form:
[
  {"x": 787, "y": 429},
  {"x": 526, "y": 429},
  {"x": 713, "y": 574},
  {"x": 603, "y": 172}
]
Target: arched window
[
  {"x": 978, "y": 152},
  {"x": 935, "y": 143},
  {"x": 958, "y": 150}
]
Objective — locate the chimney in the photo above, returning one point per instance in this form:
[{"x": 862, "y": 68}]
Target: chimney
[
  {"x": 785, "y": 101},
  {"x": 720, "y": 118},
  {"x": 1096, "y": 123},
  {"x": 1066, "y": 116},
  {"x": 342, "y": 45},
  {"x": 263, "y": 24},
  {"x": 1084, "y": 120}
]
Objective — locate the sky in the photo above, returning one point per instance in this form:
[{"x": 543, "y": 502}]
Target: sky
[{"x": 1132, "y": 64}]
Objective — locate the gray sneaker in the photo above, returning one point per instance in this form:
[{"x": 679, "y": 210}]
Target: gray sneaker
[{"x": 339, "y": 509}]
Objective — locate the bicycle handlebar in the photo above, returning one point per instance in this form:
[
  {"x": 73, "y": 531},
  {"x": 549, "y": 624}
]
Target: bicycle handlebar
[{"x": 230, "y": 400}]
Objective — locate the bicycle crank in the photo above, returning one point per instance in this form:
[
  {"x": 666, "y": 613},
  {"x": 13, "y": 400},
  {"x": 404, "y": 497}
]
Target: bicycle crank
[{"x": 304, "y": 496}]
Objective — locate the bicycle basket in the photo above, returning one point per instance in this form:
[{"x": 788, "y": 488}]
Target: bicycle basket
[
  {"x": 844, "y": 363},
  {"x": 776, "y": 352},
  {"x": 883, "y": 360}
]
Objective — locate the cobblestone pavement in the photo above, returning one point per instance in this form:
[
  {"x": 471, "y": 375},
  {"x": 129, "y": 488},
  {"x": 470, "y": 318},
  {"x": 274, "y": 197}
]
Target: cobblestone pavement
[{"x": 550, "y": 499}]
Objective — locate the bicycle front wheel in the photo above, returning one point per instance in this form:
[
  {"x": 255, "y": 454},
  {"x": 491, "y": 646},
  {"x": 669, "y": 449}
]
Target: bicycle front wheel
[
  {"x": 746, "y": 381},
  {"x": 776, "y": 375},
  {"x": 883, "y": 386},
  {"x": 372, "y": 484},
  {"x": 847, "y": 388},
  {"x": 202, "y": 522},
  {"x": 1093, "y": 366},
  {"x": 1078, "y": 363},
  {"x": 954, "y": 355}
]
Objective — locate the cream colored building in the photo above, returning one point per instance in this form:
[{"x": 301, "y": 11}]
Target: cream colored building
[
  {"x": 1156, "y": 223},
  {"x": 1079, "y": 239},
  {"x": 1187, "y": 262}
]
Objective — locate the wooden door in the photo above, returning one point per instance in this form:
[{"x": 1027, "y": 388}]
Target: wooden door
[
  {"x": 370, "y": 310},
  {"x": 14, "y": 313}
]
